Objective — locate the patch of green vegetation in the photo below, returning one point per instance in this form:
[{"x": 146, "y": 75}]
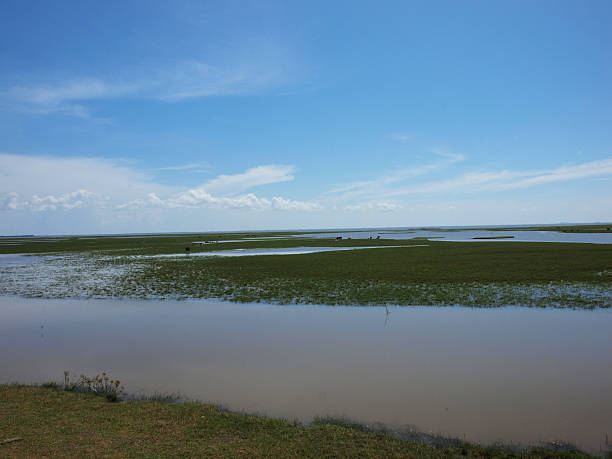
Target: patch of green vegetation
[
  {"x": 42, "y": 422},
  {"x": 171, "y": 244},
  {"x": 143, "y": 244},
  {"x": 341, "y": 422}
]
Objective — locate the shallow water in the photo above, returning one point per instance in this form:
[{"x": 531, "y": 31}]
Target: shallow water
[
  {"x": 272, "y": 251},
  {"x": 17, "y": 259},
  {"x": 470, "y": 235},
  {"x": 519, "y": 375}
]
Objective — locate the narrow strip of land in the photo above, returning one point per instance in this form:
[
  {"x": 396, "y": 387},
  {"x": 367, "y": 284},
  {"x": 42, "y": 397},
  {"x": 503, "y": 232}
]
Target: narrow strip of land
[{"x": 53, "y": 423}]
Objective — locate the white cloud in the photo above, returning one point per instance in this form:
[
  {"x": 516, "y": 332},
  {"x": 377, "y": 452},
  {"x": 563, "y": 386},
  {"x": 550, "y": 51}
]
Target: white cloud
[
  {"x": 224, "y": 192},
  {"x": 386, "y": 206},
  {"x": 44, "y": 194},
  {"x": 46, "y": 175},
  {"x": 198, "y": 198},
  {"x": 66, "y": 201},
  {"x": 41, "y": 184},
  {"x": 10, "y": 201},
  {"x": 50, "y": 202},
  {"x": 261, "y": 175}
]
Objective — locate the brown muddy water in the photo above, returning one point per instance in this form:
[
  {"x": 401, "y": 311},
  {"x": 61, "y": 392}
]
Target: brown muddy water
[{"x": 510, "y": 374}]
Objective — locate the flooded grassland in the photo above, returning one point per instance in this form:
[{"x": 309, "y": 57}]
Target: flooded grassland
[{"x": 315, "y": 271}]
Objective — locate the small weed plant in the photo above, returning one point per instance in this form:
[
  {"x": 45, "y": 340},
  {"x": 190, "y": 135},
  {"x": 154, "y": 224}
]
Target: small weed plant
[{"x": 101, "y": 385}]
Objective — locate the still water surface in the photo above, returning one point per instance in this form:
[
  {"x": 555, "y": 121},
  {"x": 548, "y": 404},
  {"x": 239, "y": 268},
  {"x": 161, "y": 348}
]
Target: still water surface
[
  {"x": 273, "y": 251},
  {"x": 519, "y": 375},
  {"x": 479, "y": 235}
]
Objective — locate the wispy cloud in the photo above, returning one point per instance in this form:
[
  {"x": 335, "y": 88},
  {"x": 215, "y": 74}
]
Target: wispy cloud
[
  {"x": 261, "y": 175},
  {"x": 474, "y": 182},
  {"x": 196, "y": 79},
  {"x": 381, "y": 185},
  {"x": 194, "y": 167},
  {"x": 399, "y": 136},
  {"x": 376, "y": 193},
  {"x": 246, "y": 73},
  {"x": 66, "y": 97}
]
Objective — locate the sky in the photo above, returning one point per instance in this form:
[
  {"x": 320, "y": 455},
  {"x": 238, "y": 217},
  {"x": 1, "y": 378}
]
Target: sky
[{"x": 145, "y": 116}]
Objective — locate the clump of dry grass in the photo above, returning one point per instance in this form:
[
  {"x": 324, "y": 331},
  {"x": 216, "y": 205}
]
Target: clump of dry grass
[{"x": 101, "y": 385}]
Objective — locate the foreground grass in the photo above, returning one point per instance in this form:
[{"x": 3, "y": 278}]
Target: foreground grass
[{"x": 49, "y": 422}]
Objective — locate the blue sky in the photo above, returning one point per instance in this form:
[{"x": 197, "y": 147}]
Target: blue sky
[{"x": 143, "y": 116}]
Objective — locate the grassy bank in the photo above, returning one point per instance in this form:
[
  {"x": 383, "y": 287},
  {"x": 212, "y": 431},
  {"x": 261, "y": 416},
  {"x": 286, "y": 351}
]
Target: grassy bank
[{"x": 48, "y": 422}]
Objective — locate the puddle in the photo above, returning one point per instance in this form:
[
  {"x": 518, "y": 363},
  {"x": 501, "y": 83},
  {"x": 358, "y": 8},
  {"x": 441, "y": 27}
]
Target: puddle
[{"x": 519, "y": 375}]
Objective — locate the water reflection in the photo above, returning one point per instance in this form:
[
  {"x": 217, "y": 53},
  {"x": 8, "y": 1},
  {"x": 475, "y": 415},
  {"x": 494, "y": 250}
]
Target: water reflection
[{"x": 520, "y": 375}]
